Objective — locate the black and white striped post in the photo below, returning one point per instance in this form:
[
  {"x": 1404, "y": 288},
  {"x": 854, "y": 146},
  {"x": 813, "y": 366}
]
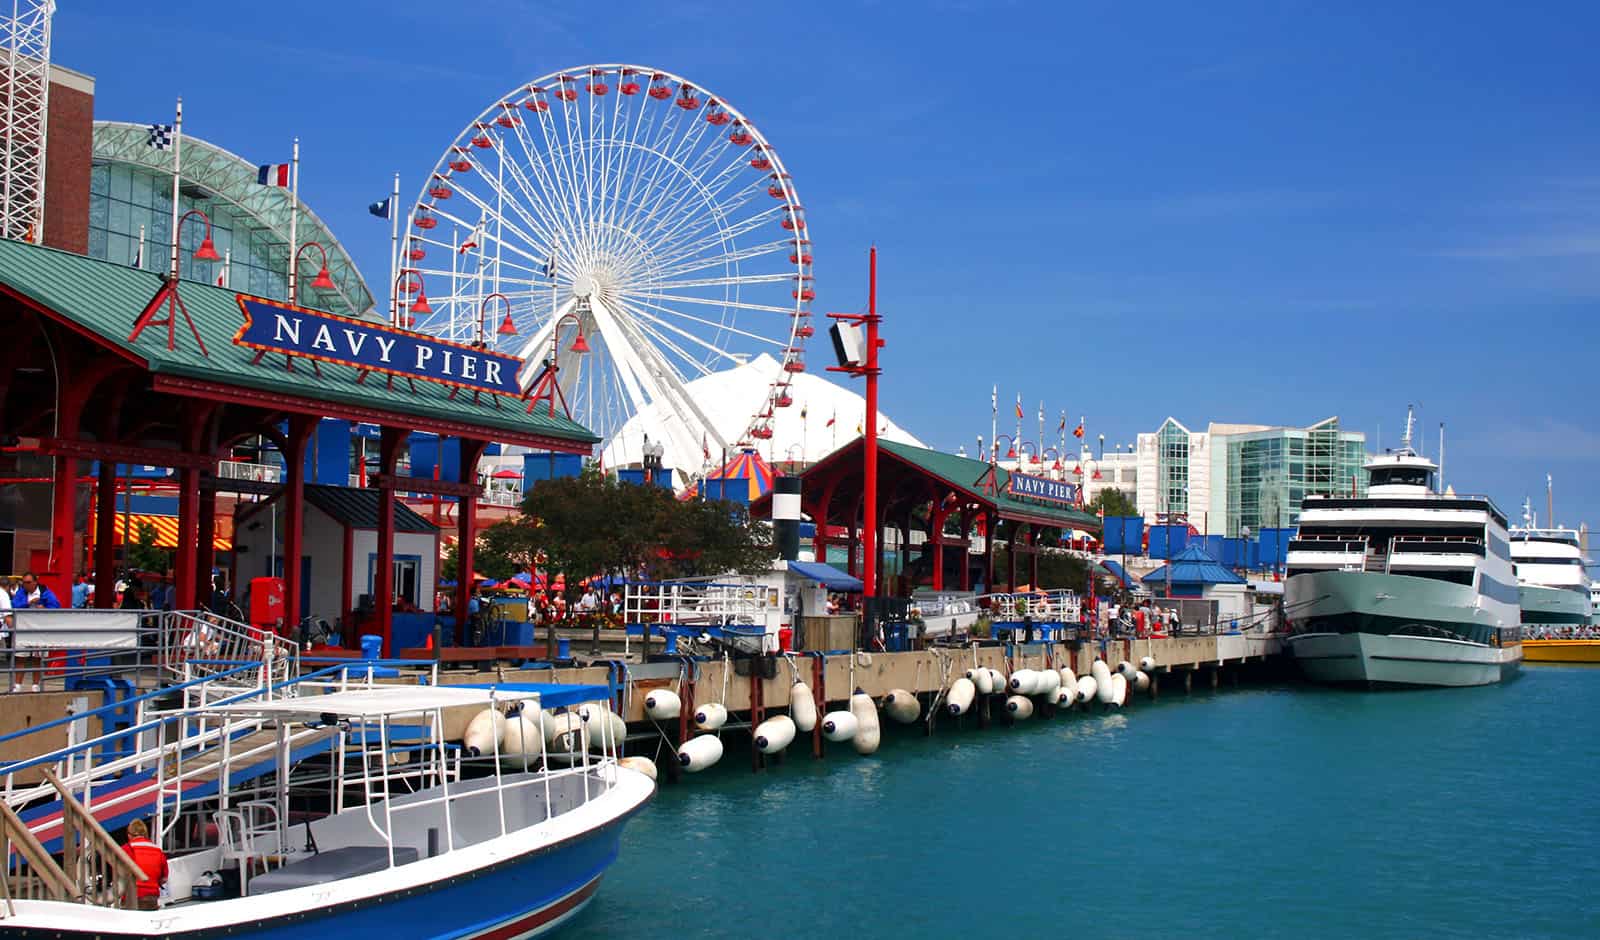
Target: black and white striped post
[{"x": 786, "y": 516}]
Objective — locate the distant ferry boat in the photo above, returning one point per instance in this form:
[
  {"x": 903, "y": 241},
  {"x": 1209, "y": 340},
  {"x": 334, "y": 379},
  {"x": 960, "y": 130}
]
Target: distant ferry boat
[
  {"x": 1405, "y": 587},
  {"x": 1556, "y": 594}
]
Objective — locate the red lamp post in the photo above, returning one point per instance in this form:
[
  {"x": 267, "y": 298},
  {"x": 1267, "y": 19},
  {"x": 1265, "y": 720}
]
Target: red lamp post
[
  {"x": 206, "y": 252},
  {"x": 869, "y": 471},
  {"x": 545, "y": 387},
  {"x": 420, "y": 305},
  {"x": 321, "y": 282},
  {"x": 506, "y": 328}
]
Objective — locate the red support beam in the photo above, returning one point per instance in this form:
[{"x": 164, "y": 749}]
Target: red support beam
[
  {"x": 105, "y": 531},
  {"x": 185, "y": 583},
  {"x": 389, "y": 443},
  {"x": 294, "y": 515},
  {"x": 463, "y": 490},
  {"x": 205, "y": 556},
  {"x": 466, "y": 532},
  {"x": 65, "y": 446}
]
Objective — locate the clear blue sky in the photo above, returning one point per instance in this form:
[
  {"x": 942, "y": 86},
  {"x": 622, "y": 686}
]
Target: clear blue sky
[{"x": 1266, "y": 212}]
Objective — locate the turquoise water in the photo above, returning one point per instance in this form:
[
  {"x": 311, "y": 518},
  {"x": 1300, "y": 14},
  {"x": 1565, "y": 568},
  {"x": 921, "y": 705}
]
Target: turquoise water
[{"x": 1285, "y": 811}]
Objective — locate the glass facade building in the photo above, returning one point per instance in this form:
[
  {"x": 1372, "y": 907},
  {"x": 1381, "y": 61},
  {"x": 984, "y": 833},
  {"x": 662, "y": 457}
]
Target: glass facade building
[
  {"x": 1172, "y": 466},
  {"x": 1270, "y": 473},
  {"x": 131, "y": 192}
]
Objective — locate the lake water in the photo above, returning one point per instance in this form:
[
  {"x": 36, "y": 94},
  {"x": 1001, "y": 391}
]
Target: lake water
[{"x": 1282, "y": 811}]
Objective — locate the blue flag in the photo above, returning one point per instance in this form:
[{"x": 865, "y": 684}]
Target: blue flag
[{"x": 380, "y": 209}]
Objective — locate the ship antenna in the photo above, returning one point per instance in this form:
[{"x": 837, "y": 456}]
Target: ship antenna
[{"x": 1405, "y": 444}]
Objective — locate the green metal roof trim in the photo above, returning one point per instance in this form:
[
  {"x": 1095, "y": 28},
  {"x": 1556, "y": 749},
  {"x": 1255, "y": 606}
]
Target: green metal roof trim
[
  {"x": 966, "y": 472},
  {"x": 106, "y": 298},
  {"x": 358, "y": 509},
  {"x": 232, "y": 179}
]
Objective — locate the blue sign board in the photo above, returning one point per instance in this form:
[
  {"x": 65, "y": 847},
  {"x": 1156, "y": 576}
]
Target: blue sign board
[
  {"x": 1051, "y": 491},
  {"x": 275, "y": 327}
]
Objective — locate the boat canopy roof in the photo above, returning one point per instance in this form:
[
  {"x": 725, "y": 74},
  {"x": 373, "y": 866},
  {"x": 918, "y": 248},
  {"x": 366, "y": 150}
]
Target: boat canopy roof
[{"x": 381, "y": 702}]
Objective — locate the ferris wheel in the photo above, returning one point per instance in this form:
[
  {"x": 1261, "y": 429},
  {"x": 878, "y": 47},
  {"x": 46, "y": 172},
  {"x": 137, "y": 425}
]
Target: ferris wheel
[{"x": 636, "y": 210}]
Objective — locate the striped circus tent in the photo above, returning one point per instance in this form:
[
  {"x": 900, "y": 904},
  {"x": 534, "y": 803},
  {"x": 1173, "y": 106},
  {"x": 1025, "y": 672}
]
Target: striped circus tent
[
  {"x": 746, "y": 466},
  {"x": 166, "y": 530}
]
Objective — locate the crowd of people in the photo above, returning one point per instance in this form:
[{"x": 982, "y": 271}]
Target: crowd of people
[{"x": 1566, "y": 632}]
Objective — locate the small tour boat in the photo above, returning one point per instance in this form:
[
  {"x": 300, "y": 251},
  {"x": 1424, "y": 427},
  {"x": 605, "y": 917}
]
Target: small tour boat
[{"x": 370, "y": 823}]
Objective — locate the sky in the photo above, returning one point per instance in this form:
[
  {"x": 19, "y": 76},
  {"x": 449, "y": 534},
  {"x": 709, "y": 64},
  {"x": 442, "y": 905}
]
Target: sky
[{"x": 1237, "y": 212}]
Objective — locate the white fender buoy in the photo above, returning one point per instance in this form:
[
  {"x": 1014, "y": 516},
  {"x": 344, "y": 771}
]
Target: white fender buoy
[
  {"x": 998, "y": 683},
  {"x": 802, "y": 707},
  {"x": 981, "y": 679},
  {"x": 1102, "y": 681},
  {"x": 1020, "y": 707},
  {"x": 565, "y": 736},
  {"x": 1087, "y": 688},
  {"x": 774, "y": 734},
  {"x": 1023, "y": 682},
  {"x": 838, "y": 726},
  {"x": 710, "y": 717},
  {"x": 1141, "y": 681},
  {"x": 1125, "y": 669},
  {"x": 902, "y": 706},
  {"x": 1119, "y": 690},
  {"x": 523, "y": 737},
  {"x": 486, "y": 730},
  {"x": 1069, "y": 683},
  {"x": 698, "y": 753},
  {"x": 960, "y": 697},
  {"x": 606, "y": 727},
  {"x": 1046, "y": 682},
  {"x": 1148, "y": 663},
  {"x": 643, "y": 765},
  {"x": 1065, "y": 695},
  {"x": 662, "y": 704},
  {"x": 868, "y": 732}
]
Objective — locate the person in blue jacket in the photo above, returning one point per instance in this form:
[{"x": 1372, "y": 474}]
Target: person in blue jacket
[{"x": 34, "y": 594}]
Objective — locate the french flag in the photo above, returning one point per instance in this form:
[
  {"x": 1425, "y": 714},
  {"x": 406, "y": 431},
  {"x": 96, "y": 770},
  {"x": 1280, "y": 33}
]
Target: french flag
[{"x": 273, "y": 174}]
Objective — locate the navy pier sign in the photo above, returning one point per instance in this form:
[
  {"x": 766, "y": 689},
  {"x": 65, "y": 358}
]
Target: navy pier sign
[
  {"x": 270, "y": 326},
  {"x": 1044, "y": 488}
]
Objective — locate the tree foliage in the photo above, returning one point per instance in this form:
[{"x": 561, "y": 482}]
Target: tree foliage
[
  {"x": 143, "y": 553},
  {"x": 1113, "y": 502},
  {"x": 594, "y": 524}
]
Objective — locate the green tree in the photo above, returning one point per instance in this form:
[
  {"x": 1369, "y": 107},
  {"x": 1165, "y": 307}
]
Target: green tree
[
  {"x": 485, "y": 561},
  {"x": 143, "y": 553},
  {"x": 1113, "y": 502},
  {"x": 593, "y": 524}
]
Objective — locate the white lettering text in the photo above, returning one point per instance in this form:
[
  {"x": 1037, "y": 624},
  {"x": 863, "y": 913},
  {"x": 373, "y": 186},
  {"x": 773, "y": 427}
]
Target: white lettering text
[{"x": 287, "y": 327}]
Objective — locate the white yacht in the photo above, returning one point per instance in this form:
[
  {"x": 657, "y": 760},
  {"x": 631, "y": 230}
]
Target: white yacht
[
  {"x": 1554, "y": 587},
  {"x": 1404, "y": 587}
]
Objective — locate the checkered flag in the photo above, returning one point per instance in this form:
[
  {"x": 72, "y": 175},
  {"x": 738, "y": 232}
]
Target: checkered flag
[{"x": 160, "y": 136}]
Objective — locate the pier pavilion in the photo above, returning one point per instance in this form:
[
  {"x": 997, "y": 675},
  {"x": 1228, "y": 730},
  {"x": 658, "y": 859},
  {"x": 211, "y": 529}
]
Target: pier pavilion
[
  {"x": 109, "y": 364},
  {"x": 950, "y": 499}
]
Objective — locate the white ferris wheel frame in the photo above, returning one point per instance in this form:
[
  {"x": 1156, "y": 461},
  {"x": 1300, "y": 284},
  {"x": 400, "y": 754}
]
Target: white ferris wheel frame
[{"x": 573, "y": 201}]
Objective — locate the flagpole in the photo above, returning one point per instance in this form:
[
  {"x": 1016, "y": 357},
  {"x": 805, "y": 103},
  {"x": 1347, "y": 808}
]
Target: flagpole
[
  {"x": 394, "y": 251},
  {"x": 227, "y": 269},
  {"x": 138, "y": 256},
  {"x": 177, "y": 164},
  {"x": 294, "y": 211},
  {"x": 1039, "y": 449},
  {"x": 994, "y": 422}
]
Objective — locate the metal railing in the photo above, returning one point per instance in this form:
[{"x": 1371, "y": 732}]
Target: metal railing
[
  {"x": 93, "y": 868},
  {"x": 1438, "y": 544},
  {"x": 698, "y": 603},
  {"x": 1041, "y": 606},
  {"x": 258, "y": 472}
]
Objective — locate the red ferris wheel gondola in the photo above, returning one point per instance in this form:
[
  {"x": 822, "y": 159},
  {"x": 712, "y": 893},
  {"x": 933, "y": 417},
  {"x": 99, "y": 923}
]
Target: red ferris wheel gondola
[
  {"x": 536, "y": 99},
  {"x": 438, "y": 188},
  {"x": 660, "y": 88},
  {"x": 802, "y": 252},
  {"x": 783, "y": 400},
  {"x": 630, "y": 82},
  {"x": 760, "y": 161},
  {"x": 425, "y": 220},
  {"x": 794, "y": 218},
  {"x": 565, "y": 91},
  {"x": 686, "y": 99},
  {"x": 597, "y": 85},
  {"x": 740, "y": 135},
  {"x": 716, "y": 114}
]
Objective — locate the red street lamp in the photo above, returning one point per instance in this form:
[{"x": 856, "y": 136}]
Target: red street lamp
[
  {"x": 420, "y": 305},
  {"x": 545, "y": 386},
  {"x": 506, "y": 328},
  {"x": 579, "y": 345},
  {"x": 322, "y": 281},
  {"x": 1011, "y": 446},
  {"x": 207, "y": 251}
]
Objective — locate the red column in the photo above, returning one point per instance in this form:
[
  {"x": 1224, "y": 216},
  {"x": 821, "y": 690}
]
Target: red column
[
  {"x": 183, "y": 575},
  {"x": 205, "y": 556},
  {"x": 466, "y": 534},
  {"x": 1011, "y": 558},
  {"x": 294, "y": 515},
  {"x": 988, "y": 551},
  {"x": 869, "y": 534},
  {"x": 938, "y": 516},
  {"x": 105, "y": 530},
  {"x": 966, "y": 545},
  {"x": 383, "y": 579}
]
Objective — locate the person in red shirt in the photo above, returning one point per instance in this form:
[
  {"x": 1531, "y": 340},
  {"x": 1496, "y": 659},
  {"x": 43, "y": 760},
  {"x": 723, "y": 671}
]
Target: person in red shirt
[{"x": 151, "y": 860}]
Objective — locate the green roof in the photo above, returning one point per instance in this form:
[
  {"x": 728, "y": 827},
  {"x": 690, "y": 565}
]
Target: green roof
[
  {"x": 106, "y": 298},
  {"x": 968, "y": 474}
]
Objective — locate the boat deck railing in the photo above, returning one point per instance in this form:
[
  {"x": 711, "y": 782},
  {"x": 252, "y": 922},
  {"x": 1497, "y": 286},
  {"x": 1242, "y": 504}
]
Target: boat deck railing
[
  {"x": 1437, "y": 544},
  {"x": 1059, "y": 606}
]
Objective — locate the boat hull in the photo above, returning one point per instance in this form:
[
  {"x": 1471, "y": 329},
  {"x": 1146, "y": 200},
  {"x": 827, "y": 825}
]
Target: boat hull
[
  {"x": 1561, "y": 651},
  {"x": 1382, "y": 630},
  {"x": 1553, "y": 607},
  {"x": 504, "y": 889}
]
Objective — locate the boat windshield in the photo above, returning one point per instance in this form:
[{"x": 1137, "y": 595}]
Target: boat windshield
[{"x": 1401, "y": 476}]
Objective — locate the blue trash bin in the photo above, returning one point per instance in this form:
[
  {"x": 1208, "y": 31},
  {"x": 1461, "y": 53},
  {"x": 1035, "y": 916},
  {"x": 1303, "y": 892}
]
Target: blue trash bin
[
  {"x": 371, "y": 646},
  {"x": 563, "y": 648},
  {"x": 897, "y": 637}
]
